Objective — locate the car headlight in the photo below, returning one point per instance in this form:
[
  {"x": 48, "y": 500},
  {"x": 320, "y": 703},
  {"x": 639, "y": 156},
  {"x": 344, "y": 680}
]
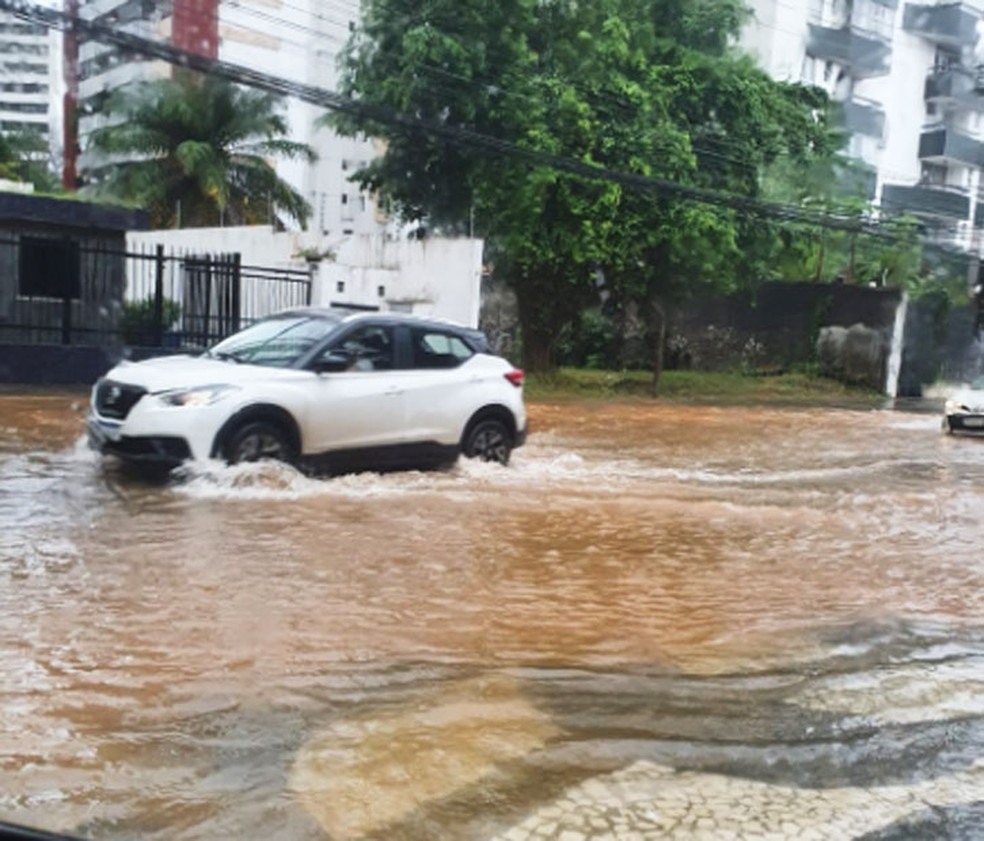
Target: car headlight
[
  {"x": 204, "y": 395},
  {"x": 953, "y": 406}
]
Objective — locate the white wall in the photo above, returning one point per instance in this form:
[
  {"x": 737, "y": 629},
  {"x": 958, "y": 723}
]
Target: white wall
[
  {"x": 257, "y": 245},
  {"x": 431, "y": 277}
]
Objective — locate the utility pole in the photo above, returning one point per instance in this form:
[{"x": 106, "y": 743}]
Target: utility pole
[{"x": 70, "y": 127}]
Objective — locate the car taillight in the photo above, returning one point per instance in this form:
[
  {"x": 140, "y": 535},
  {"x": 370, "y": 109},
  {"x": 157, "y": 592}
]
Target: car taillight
[{"x": 515, "y": 376}]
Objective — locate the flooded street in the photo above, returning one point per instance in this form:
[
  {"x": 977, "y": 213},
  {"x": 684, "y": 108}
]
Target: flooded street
[{"x": 660, "y": 621}]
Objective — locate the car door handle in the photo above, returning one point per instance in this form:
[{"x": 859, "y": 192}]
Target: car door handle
[{"x": 393, "y": 391}]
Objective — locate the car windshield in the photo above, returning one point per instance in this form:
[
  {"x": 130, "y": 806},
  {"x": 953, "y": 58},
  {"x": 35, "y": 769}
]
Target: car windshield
[
  {"x": 978, "y": 384},
  {"x": 276, "y": 342}
]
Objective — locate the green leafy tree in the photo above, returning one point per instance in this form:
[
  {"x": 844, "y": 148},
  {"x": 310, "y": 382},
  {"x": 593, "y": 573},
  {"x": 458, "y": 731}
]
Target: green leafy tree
[
  {"x": 636, "y": 86},
  {"x": 196, "y": 151},
  {"x": 25, "y": 156}
]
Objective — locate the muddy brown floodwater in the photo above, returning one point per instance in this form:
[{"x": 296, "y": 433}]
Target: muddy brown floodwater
[{"x": 660, "y": 621}]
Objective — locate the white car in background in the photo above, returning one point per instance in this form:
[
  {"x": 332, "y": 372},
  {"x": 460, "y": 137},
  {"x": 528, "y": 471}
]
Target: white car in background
[
  {"x": 342, "y": 391},
  {"x": 964, "y": 410}
]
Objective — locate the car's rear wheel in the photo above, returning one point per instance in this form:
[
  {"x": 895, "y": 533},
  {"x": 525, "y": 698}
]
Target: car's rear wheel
[
  {"x": 258, "y": 441},
  {"x": 488, "y": 440}
]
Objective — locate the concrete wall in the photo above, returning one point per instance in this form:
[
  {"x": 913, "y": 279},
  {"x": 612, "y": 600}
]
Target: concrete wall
[
  {"x": 94, "y": 312},
  {"x": 54, "y": 364},
  {"x": 259, "y": 245},
  {"x": 432, "y": 277},
  {"x": 777, "y": 328}
]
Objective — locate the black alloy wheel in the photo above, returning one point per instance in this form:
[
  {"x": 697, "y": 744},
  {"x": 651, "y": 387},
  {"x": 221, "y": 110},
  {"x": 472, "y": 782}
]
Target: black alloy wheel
[
  {"x": 489, "y": 440},
  {"x": 258, "y": 441}
]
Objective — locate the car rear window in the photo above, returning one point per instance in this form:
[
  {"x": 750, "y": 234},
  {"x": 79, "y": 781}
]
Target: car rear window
[{"x": 438, "y": 349}]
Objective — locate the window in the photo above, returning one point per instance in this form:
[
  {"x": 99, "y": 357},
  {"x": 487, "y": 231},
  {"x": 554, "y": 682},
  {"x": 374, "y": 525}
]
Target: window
[
  {"x": 25, "y": 107},
  {"x": 435, "y": 349},
  {"x": 24, "y": 67},
  {"x": 11, "y": 125},
  {"x": 945, "y": 59},
  {"x": 23, "y": 87},
  {"x": 49, "y": 268},
  {"x": 23, "y": 29},
  {"x": 11, "y": 47},
  {"x": 368, "y": 348},
  {"x": 933, "y": 174}
]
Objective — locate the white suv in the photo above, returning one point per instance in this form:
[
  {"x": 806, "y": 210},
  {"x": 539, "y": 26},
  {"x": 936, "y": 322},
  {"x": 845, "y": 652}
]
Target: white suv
[{"x": 338, "y": 390}]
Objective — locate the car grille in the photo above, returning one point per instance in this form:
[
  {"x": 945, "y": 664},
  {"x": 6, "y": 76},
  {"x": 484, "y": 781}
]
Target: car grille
[{"x": 115, "y": 400}]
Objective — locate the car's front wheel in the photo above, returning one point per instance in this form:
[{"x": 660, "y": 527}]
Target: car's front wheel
[
  {"x": 488, "y": 440},
  {"x": 258, "y": 441}
]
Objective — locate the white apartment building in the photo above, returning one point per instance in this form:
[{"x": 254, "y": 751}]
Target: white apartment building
[
  {"x": 29, "y": 80},
  {"x": 909, "y": 79},
  {"x": 298, "y": 40}
]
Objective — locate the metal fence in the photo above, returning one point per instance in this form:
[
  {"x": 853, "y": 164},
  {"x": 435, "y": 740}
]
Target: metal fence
[{"x": 85, "y": 292}]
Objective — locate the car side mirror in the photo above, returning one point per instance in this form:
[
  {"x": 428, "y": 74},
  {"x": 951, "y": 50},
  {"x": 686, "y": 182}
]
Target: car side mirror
[{"x": 332, "y": 362}]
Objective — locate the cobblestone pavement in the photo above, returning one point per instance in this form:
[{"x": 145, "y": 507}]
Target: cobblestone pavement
[{"x": 650, "y": 801}]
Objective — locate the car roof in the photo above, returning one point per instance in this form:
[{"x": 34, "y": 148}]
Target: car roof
[{"x": 344, "y": 314}]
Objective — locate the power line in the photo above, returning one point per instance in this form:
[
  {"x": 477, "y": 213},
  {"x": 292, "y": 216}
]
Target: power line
[
  {"x": 699, "y": 145},
  {"x": 430, "y": 128}
]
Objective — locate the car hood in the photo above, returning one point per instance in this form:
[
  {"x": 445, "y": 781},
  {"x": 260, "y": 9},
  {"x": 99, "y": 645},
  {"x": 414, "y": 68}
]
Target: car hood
[{"x": 167, "y": 373}]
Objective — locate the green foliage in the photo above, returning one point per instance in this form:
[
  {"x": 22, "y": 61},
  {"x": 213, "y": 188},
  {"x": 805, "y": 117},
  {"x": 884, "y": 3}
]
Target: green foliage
[
  {"x": 195, "y": 151},
  {"x": 717, "y": 388},
  {"x": 587, "y": 341},
  {"x": 25, "y": 156},
  {"x": 138, "y": 323},
  {"x": 636, "y": 86}
]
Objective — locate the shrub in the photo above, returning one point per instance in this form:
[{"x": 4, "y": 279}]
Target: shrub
[{"x": 137, "y": 323}]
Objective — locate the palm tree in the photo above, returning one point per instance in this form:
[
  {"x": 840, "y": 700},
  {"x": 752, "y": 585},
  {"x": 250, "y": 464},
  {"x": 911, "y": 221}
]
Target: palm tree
[
  {"x": 24, "y": 156},
  {"x": 196, "y": 151}
]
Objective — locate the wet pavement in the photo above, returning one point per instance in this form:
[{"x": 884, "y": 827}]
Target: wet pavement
[{"x": 661, "y": 621}]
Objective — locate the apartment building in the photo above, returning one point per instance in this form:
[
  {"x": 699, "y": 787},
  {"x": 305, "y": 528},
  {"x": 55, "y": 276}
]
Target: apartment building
[
  {"x": 298, "y": 40},
  {"x": 29, "y": 80},
  {"x": 908, "y": 76}
]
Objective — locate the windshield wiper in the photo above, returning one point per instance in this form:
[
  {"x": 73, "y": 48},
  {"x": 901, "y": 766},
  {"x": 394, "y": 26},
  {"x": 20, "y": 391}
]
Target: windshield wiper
[{"x": 226, "y": 356}]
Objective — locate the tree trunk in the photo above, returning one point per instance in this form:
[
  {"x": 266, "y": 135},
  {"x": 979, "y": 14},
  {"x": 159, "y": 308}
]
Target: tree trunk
[
  {"x": 616, "y": 346},
  {"x": 538, "y": 326},
  {"x": 850, "y": 267},
  {"x": 820, "y": 255},
  {"x": 658, "y": 331}
]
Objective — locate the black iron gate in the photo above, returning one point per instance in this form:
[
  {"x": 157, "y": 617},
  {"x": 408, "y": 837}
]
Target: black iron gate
[
  {"x": 63, "y": 291},
  {"x": 212, "y": 297}
]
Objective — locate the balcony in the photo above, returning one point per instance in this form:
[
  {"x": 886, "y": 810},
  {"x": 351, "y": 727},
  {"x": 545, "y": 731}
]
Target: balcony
[
  {"x": 935, "y": 200},
  {"x": 863, "y": 116},
  {"x": 952, "y": 85},
  {"x": 953, "y": 25},
  {"x": 865, "y": 53},
  {"x": 944, "y": 144}
]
